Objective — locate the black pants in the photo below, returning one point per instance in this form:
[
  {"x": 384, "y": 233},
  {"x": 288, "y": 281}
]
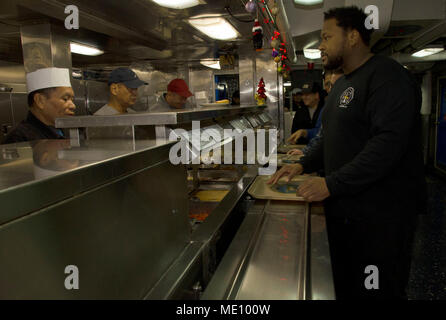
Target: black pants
[{"x": 356, "y": 245}]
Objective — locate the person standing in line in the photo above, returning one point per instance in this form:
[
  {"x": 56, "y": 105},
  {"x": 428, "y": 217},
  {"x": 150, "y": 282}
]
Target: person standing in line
[{"x": 371, "y": 153}]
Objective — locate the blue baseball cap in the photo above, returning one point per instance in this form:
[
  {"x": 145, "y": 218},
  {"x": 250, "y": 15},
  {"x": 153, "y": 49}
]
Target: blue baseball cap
[{"x": 126, "y": 77}]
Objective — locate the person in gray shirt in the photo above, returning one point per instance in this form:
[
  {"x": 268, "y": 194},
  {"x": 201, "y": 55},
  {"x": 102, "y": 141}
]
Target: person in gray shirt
[
  {"x": 123, "y": 84},
  {"x": 175, "y": 98}
]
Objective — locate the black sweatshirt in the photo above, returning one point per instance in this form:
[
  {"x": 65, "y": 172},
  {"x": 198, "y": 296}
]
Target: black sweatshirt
[
  {"x": 371, "y": 145},
  {"x": 303, "y": 120},
  {"x": 32, "y": 129}
]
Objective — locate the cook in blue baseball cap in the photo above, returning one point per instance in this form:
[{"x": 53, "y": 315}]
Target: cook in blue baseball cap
[{"x": 123, "y": 84}]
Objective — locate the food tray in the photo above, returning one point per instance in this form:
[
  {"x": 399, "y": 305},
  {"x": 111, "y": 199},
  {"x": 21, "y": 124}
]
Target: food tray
[{"x": 260, "y": 190}]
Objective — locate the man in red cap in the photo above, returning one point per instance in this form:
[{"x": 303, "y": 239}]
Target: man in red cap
[{"x": 175, "y": 98}]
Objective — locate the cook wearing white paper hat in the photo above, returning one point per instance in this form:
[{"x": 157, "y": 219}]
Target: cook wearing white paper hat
[{"x": 50, "y": 96}]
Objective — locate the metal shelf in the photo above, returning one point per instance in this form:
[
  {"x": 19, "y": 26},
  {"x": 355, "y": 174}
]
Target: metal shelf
[{"x": 154, "y": 118}]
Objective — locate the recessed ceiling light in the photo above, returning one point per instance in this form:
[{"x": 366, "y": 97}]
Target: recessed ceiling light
[
  {"x": 214, "y": 26},
  {"x": 308, "y": 2},
  {"x": 427, "y": 52},
  {"x": 214, "y": 64},
  {"x": 312, "y": 53},
  {"x": 84, "y": 49},
  {"x": 179, "y": 4}
]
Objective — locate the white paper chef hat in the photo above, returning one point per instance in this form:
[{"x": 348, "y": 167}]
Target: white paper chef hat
[{"x": 48, "y": 78}]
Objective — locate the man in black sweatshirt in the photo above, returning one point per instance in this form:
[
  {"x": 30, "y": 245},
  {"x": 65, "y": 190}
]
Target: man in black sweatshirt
[
  {"x": 371, "y": 154},
  {"x": 306, "y": 115}
]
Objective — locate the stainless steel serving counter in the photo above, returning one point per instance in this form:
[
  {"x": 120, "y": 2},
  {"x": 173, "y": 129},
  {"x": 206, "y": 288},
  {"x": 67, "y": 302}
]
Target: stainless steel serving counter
[
  {"x": 280, "y": 252},
  {"x": 155, "y": 118},
  {"x": 26, "y": 169},
  {"x": 126, "y": 126},
  {"x": 111, "y": 216},
  {"x": 118, "y": 210}
]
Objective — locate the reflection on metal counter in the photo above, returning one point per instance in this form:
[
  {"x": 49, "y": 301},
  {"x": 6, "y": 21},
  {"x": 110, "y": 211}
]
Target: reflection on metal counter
[
  {"x": 49, "y": 222},
  {"x": 280, "y": 252},
  {"x": 103, "y": 208}
]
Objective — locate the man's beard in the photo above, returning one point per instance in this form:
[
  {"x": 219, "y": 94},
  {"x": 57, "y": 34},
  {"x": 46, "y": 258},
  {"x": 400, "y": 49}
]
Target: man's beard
[{"x": 334, "y": 63}]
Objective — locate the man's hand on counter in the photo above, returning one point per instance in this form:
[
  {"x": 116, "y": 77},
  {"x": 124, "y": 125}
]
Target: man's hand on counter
[
  {"x": 294, "y": 152},
  {"x": 290, "y": 170},
  {"x": 314, "y": 189},
  {"x": 297, "y": 135}
]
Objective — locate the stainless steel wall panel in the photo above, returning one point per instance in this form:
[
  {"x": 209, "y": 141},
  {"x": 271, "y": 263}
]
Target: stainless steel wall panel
[
  {"x": 60, "y": 49},
  {"x": 80, "y": 99},
  {"x": 97, "y": 94},
  {"x": 157, "y": 84},
  {"x": 6, "y": 122},
  {"x": 43, "y": 47},
  {"x": 247, "y": 74},
  {"x": 12, "y": 74},
  {"x": 20, "y": 107},
  {"x": 281, "y": 121},
  {"x": 266, "y": 68},
  {"x": 13, "y": 109},
  {"x": 36, "y": 46},
  {"x": 202, "y": 85}
]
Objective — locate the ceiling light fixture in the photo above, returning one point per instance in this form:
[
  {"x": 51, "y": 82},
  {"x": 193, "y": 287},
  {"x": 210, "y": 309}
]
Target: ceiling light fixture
[
  {"x": 312, "y": 53},
  {"x": 179, "y": 4},
  {"x": 214, "y": 64},
  {"x": 214, "y": 26},
  {"x": 287, "y": 84},
  {"x": 84, "y": 49},
  {"x": 308, "y": 2},
  {"x": 428, "y": 51}
]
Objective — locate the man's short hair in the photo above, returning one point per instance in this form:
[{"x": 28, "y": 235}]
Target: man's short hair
[
  {"x": 46, "y": 92},
  {"x": 351, "y": 18}
]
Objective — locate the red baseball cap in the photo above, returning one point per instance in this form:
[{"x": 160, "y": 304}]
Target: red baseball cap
[{"x": 180, "y": 87}]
